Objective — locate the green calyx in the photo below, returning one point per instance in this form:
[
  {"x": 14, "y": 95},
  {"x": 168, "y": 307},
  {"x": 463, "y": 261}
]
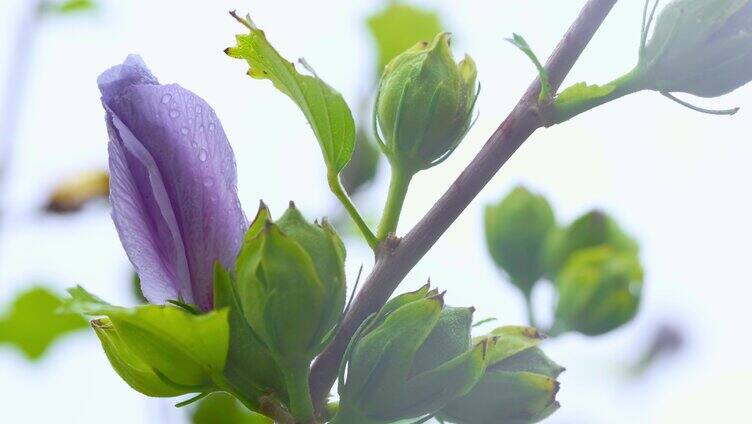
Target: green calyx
[
  {"x": 250, "y": 367},
  {"x": 516, "y": 230},
  {"x": 291, "y": 285},
  {"x": 409, "y": 360},
  {"x": 518, "y": 386},
  {"x": 594, "y": 228},
  {"x": 160, "y": 351},
  {"x": 598, "y": 290},
  {"x": 425, "y": 104}
]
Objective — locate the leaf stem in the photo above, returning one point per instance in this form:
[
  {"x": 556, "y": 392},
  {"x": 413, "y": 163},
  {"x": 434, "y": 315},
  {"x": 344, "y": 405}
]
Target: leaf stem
[
  {"x": 335, "y": 184},
  {"x": 398, "y": 186}
]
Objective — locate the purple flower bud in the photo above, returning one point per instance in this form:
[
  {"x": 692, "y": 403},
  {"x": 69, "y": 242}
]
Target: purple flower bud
[{"x": 173, "y": 184}]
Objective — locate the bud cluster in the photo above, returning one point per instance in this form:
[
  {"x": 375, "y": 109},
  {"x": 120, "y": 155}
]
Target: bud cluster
[{"x": 592, "y": 263}]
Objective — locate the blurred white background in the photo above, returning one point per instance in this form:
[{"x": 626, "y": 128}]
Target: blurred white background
[{"x": 677, "y": 180}]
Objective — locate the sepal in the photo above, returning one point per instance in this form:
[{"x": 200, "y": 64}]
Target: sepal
[
  {"x": 186, "y": 352},
  {"x": 518, "y": 386}
]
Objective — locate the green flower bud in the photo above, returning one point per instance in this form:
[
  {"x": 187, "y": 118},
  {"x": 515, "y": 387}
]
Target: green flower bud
[
  {"x": 701, "y": 47},
  {"x": 519, "y": 385},
  {"x": 291, "y": 281},
  {"x": 164, "y": 351},
  {"x": 425, "y": 104},
  {"x": 408, "y": 361},
  {"x": 599, "y": 290},
  {"x": 131, "y": 367},
  {"x": 291, "y": 284},
  {"x": 595, "y": 228},
  {"x": 516, "y": 229}
]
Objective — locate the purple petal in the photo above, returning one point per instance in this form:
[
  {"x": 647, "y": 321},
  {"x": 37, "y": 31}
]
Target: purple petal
[{"x": 174, "y": 189}]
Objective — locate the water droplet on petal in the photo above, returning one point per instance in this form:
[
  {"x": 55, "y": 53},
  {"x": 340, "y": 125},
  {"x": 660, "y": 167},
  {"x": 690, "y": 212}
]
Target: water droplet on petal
[
  {"x": 211, "y": 127},
  {"x": 166, "y": 98},
  {"x": 184, "y": 131},
  {"x": 198, "y": 110},
  {"x": 174, "y": 113},
  {"x": 208, "y": 182},
  {"x": 202, "y": 155}
]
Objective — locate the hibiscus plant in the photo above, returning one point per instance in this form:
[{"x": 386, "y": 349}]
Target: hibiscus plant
[{"x": 257, "y": 308}]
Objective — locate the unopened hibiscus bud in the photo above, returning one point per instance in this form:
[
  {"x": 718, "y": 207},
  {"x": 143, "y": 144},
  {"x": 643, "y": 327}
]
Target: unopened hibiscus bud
[
  {"x": 595, "y": 228},
  {"x": 598, "y": 290},
  {"x": 172, "y": 184},
  {"x": 425, "y": 104},
  {"x": 701, "y": 47},
  {"x": 516, "y": 229},
  {"x": 409, "y": 361},
  {"x": 291, "y": 282},
  {"x": 519, "y": 385}
]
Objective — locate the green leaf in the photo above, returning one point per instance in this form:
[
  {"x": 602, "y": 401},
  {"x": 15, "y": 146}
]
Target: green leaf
[
  {"x": 398, "y": 27},
  {"x": 32, "y": 323},
  {"x": 324, "y": 108},
  {"x": 187, "y": 351},
  {"x": 521, "y": 44},
  {"x": 221, "y": 408}
]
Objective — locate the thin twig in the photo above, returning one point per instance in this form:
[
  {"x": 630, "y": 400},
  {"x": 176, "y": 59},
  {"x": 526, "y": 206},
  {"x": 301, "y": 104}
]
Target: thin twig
[{"x": 393, "y": 263}]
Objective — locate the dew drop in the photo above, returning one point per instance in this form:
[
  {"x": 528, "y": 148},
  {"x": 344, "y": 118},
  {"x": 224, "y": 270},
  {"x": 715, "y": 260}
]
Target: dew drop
[
  {"x": 211, "y": 127},
  {"x": 202, "y": 155},
  {"x": 166, "y": 98},
  {"x": 184, "y": 131},
  {"x": 174, "y": 113},
  {"x": 208, "y": 182},
  {"x": 198, "y": 110}
]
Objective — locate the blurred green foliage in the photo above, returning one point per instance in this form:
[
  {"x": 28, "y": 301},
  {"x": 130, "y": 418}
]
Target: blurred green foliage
[
  {"x": 69, "y": 6},
  {"x": 593, "y": 264},
  {"x": 222, "y": 408},
  {"x": 32, "y": 323},
  {"x": 399, "y": 27}
]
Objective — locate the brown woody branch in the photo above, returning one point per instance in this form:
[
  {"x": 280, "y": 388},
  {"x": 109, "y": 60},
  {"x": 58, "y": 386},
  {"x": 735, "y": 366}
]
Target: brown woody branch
[{"x": 398, "y": 257}]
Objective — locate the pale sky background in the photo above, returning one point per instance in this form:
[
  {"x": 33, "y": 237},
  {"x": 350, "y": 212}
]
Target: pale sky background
[{"x": 677, "y": 180}]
